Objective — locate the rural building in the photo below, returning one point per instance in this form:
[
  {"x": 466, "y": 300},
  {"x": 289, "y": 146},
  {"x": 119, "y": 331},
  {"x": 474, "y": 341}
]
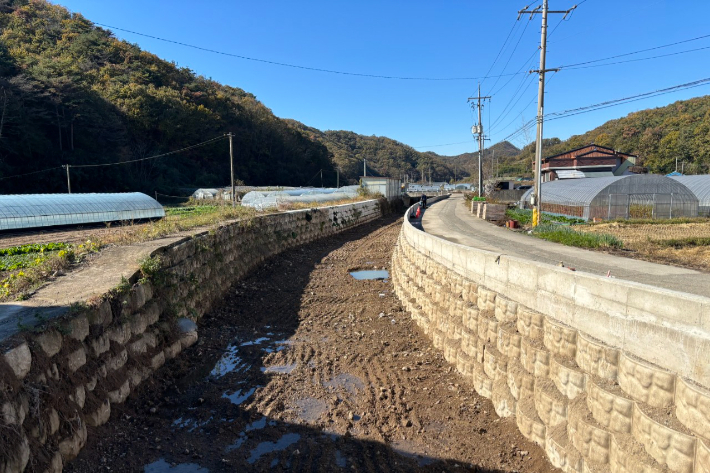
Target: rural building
[
  {"x": 390, "y": 188},
  {"x": 615, "y": 197},
  {"x": 589, "y": 161}
]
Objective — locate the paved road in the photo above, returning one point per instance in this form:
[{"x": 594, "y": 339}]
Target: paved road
[{"x": 451, "y": 220}]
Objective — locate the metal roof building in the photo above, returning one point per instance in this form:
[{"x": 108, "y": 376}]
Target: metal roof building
[
  {"x": 634, "y": 196},
  {"x": 700, "y": 186},
  {"x": 46, "y": 210}
]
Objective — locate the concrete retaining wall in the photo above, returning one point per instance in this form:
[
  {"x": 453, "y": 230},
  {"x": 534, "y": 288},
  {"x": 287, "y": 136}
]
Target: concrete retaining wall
[
  {"x": 56, "y": 381},
  {"x": 604, "y": 374}
]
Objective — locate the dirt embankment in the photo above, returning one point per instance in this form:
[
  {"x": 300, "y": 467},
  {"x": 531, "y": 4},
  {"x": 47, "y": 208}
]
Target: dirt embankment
[{"x": 304, "y": 368}]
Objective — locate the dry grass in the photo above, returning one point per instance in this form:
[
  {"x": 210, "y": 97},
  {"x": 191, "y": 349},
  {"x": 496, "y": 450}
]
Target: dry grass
[{"x": 645, "y": 241}]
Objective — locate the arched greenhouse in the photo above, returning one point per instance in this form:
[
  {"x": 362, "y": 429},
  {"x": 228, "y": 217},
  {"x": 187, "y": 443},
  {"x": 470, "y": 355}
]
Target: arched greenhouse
[
  {"x": 634, "y": 196},
  {"x": 700, "y": 186},
  {"x": 45, "y": 210}
]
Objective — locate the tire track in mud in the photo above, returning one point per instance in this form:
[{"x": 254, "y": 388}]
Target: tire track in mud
[{"x": 304, "y": 368}]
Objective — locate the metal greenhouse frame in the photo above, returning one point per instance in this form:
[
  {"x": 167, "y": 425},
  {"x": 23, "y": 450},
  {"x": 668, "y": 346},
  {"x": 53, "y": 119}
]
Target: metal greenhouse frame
[
  {"x": 45, "y": 210},
  {"x": 614, "y": 197}
]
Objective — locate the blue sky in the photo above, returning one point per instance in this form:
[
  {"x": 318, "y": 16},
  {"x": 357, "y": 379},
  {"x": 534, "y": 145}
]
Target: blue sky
[{"x": 425, "y": 39}]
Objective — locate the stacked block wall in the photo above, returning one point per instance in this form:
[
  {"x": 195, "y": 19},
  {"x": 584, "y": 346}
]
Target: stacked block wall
[
  {"x": 55, "y": 383},
  {"x": 527, "y": 339}
]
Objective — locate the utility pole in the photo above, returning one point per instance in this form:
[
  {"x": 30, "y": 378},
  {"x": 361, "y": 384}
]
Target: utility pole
[
  {"x": 537, "y": 195},
  {"x": 68, "y": 180},
  {"x": 364, "y": 167},
  {"x": 337, "y": 178},
  {"x": 321, "y": 178},
  {"x": 231, "y": 167},
  {"x": 478, "y": 130}
]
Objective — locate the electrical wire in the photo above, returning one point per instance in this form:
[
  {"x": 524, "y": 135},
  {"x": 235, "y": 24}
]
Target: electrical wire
[
  {"x": 511, "y": 55},
  {"x": 30, "y": 173},
  {"x": 568, "y": 66},
  {"x": 150, "y": 157},
  {"x": 296, "y": 66},
  {"x": 515, "y": 24}
]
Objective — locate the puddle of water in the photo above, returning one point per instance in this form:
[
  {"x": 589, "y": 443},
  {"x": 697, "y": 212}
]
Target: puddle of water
[
  {"x": 269, "y": 447},
  {"x": 161, "y": 466},
  {"x": 280, "y": 369},
  {"x": 258, "y": 341},
  {"x": 190, "y": 424},
  {"x": 229, "y": 362},
  {"x": 370, "y": 274},
  {"x": 310, "y": 409},
  {"x": 340, "y": 460},
  {"x": 350, "y": 383},
  {"x": 238, "y": 397}
]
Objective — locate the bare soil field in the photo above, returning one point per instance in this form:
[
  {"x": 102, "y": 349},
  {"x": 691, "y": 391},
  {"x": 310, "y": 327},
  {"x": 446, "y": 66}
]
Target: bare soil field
[
  {"x": 642, "y": 241},
  {"x": 304, "y": 368}
]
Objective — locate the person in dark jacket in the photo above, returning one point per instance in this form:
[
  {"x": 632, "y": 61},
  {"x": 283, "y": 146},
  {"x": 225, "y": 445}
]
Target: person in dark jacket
[{"x": 423, "y": 201}]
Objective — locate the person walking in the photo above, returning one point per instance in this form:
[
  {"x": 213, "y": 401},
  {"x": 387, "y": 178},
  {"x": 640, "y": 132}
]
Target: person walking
[{"x": 423, "y": 200}]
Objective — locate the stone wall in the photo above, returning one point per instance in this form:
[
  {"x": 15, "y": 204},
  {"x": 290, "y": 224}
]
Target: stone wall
[
  {"x": 605, "y": 375},
  {"x": 58, "y": 379}
]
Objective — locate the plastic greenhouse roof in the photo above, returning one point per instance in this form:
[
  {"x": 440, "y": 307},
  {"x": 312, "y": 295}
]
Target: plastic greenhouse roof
[
  {"x": 698, "y": 185},
  {"x": 38, "y": 210}
]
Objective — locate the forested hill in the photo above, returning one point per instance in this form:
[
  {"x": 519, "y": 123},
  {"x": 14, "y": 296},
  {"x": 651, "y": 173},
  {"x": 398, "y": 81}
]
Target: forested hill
[
  {"x": 70, "y": 93},
  {"x": 657, "y": 136}
]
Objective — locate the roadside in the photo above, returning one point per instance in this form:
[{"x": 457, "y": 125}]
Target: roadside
[
  {"x": 304, "y": 368},
  {"x": 451, "y": 220}
]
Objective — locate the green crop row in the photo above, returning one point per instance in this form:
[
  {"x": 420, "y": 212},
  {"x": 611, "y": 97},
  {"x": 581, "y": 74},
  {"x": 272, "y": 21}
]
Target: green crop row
[{"x": 34, "y": 248}]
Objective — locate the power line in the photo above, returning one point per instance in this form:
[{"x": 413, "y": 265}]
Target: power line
[
  {"x": 568, "y": 66},
  {"x": 515, "y": 24},
  {"x": 437, "y": 146},
  {"x": 636, "y": 60},
  {"x": 511, "y": 56},
  {"x": 150, "y": 157},
  {"x": 30, "y": 173},
  {"x": 296, "y": 66}
]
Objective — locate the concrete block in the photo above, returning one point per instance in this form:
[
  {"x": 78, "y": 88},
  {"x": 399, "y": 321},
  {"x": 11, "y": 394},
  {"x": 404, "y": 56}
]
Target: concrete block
[
  {"x": 509, "y": 341},
  {"x": 495, "y": 365},
  {"x": 503, "y": 400},
  {"x": 76, "y": 359},
  {"x": 78, "y": 327},
  {"x": 596, "y": 358},
  {"x": 117, "y": 361},
  {"x": 451, "y": 349},
  {"x": 465, "y": 364},
  {"x": 137, "y": 346},
  {"x": 570, "y": 381},
  {"x": 520, "y": 382},
  {"x": 56, "y": 464},
  {"x": 530, "y": 324},
  {"x": 506, "y": 310},
  {"x": 528, "y": 421},
  {"x": 652, "y": 304},
  {"x": 645, "y": 382},
  {"x": 486, "y": 300},
  {"x": 79, "y": 396},
  {"x": 157, "y": 360},
  {"x": 693, "y": 407},
  {"x": 470, "y": 318},
  {"x": 560, "y": 339},
  {"x": 610, "y": 409},
  {"x": 666, "y": 445},
  {"x": 560, "y": 452},
  {"x": 702, "y": 457},
  {"x": 560, "y": 282},
  {"x": 19, "y": 359},
  {"x": 535, "y": 360},
  {"x": 173, "y": 350},
  {"x": 521, "y": 275},
  {"x": 99, "y": 345},
  {"x": 70, "y": 446},
  {"x": 550, "y": 404},
  {"x": 482, "y": 383},
  {"x": 627, "y": 456},
  {"x": 50, "y": 342},
  {"x": 99, "y": 416},
  {"x": 120, "y": 333},
  {"x": 591, "y": 440},
  {"x": 16, "y": 460},
  {"x": 118, "y": 395}
]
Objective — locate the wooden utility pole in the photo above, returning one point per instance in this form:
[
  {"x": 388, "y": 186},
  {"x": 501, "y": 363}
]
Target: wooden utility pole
[
  {"x": 68, "y": 180},
  {"x": 537, "y": 195},
  {"x": 231, "y": 167},
  {"x": 478, "y": 130}
]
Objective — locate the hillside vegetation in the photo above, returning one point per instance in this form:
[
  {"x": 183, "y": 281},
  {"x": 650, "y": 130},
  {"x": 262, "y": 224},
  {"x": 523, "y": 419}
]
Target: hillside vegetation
[
  {"x": 658, "y": 136},
  {"x": 72, "y": 93}
]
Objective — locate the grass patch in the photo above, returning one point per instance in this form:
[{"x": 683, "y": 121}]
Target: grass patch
[
  {"x": 683, "y": 242},
  {"x": 524, "y": 217},
  {"x": 570, "y": 237}
]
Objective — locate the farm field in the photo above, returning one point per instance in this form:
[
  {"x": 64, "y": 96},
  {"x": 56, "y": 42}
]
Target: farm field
[{"x": 681, "y": 244}]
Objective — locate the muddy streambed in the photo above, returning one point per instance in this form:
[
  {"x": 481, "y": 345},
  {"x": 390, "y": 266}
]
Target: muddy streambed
[{"x": 304, "y": 368}]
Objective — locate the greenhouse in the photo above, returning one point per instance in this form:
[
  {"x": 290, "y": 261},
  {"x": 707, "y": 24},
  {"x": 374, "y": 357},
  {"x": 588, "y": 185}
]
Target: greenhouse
[
  {"x": 270, "y": 199},
  {"x": 46, "y": 210},
  {"x": 700, "y": 186},
  {"x": 634, "y": 196}
]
